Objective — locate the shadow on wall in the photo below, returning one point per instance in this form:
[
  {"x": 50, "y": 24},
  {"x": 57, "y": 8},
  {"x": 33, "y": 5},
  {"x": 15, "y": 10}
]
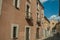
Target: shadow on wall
[
  {"x": 55, "y": 37},
  {"x": 30, "y": 22}
]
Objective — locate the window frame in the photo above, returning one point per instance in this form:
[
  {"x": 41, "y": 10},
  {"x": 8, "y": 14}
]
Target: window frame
[
  {"x": 29, "y": 13},
  {"x": 16, "y": 4},
  {"x": 29, "y": 32},
  {"x": 38, "y": 16},
  {"x": 37, "y": 34},
  {"x": 17, "y": 30}
]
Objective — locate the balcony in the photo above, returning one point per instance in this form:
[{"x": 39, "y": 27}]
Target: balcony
[
  {"x": 37, "y": 9},
  {"x": 29, "y": 1},
  {"x": 38, "y": 21},
  {"x": 28, "y": 15}
]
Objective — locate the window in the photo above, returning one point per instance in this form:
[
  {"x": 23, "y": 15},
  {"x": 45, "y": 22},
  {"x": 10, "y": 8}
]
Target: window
[
  {"x": 37, "y": 33},
  {"x": 0, "y": 6},
  {"x": 38, "y": 17},
  {"x": 53, "y": 23},
  {"x": 44, "y": 32},
  {"x": 54, "y": 30},
  {"x": 28, "y": 8},
  {"x": 29, "y": 1},
  {"x": 27, "y": 33},
  {"x": 14, "y": 31},
  {"x": 42, "y": 12},
  {"x": 37, "y": 5},
  {"x": 16, "y": 3},
  {"x": 28, "y": 13}
]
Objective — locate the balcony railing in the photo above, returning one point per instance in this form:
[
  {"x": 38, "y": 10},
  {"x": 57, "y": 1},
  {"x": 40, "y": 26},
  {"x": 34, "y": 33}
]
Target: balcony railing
[
  {"x": 38, "y": 21},
  {"x": 29, "y": 1},
  {"x": 28, "y": 15},
  {"x": 37, "y": 9}
]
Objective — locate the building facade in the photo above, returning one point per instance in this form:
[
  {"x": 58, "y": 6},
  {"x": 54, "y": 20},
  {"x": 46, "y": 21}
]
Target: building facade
[
  {"x": 52, "y": 25},
  {"x": 21, "y": 20},
  {"x": 46, "y": 27},
  {"x": 57, "y": 27}
]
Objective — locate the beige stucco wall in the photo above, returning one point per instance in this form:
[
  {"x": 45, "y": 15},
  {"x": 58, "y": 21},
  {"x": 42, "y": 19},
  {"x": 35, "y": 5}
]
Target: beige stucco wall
[
  {"x": 52, "y": 24},
  {"x": 58, "y": 27}
]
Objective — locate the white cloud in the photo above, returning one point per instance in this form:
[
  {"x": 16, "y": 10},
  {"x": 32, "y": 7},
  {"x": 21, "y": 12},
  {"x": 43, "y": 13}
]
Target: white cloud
[
  {"x": 54, "y": 17},
  {"x": 42, "y": 1}
]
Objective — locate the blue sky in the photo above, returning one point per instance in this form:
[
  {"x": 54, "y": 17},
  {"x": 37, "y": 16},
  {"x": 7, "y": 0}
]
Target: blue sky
[{"x": 51, "y": 7}]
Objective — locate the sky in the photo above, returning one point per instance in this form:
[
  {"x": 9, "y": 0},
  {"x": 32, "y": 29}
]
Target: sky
[{"x": 51, "y": 8}]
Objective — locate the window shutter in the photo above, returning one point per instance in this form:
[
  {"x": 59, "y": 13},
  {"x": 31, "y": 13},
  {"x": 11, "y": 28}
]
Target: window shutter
[
  {"x": 17, "y": 31},
  {"x": 14, "y": 30},
  {"x": 13, "y": 2},
  {"x": 44, "y": 32},
  {"x": 38, "y": 16},
  {"x": 37, "y": 33},
  {"x": 38, "y": 6},
  {"x": 27, "y": 33},
  {"x": 0, "y": 6},
  {"x": 29, "y": 13},
  {"x": 18, "y": 3},
  {"x": 29, "y": 9}
]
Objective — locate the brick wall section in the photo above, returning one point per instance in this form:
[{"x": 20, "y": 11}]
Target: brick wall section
[{"x": 11, "y": 15}]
